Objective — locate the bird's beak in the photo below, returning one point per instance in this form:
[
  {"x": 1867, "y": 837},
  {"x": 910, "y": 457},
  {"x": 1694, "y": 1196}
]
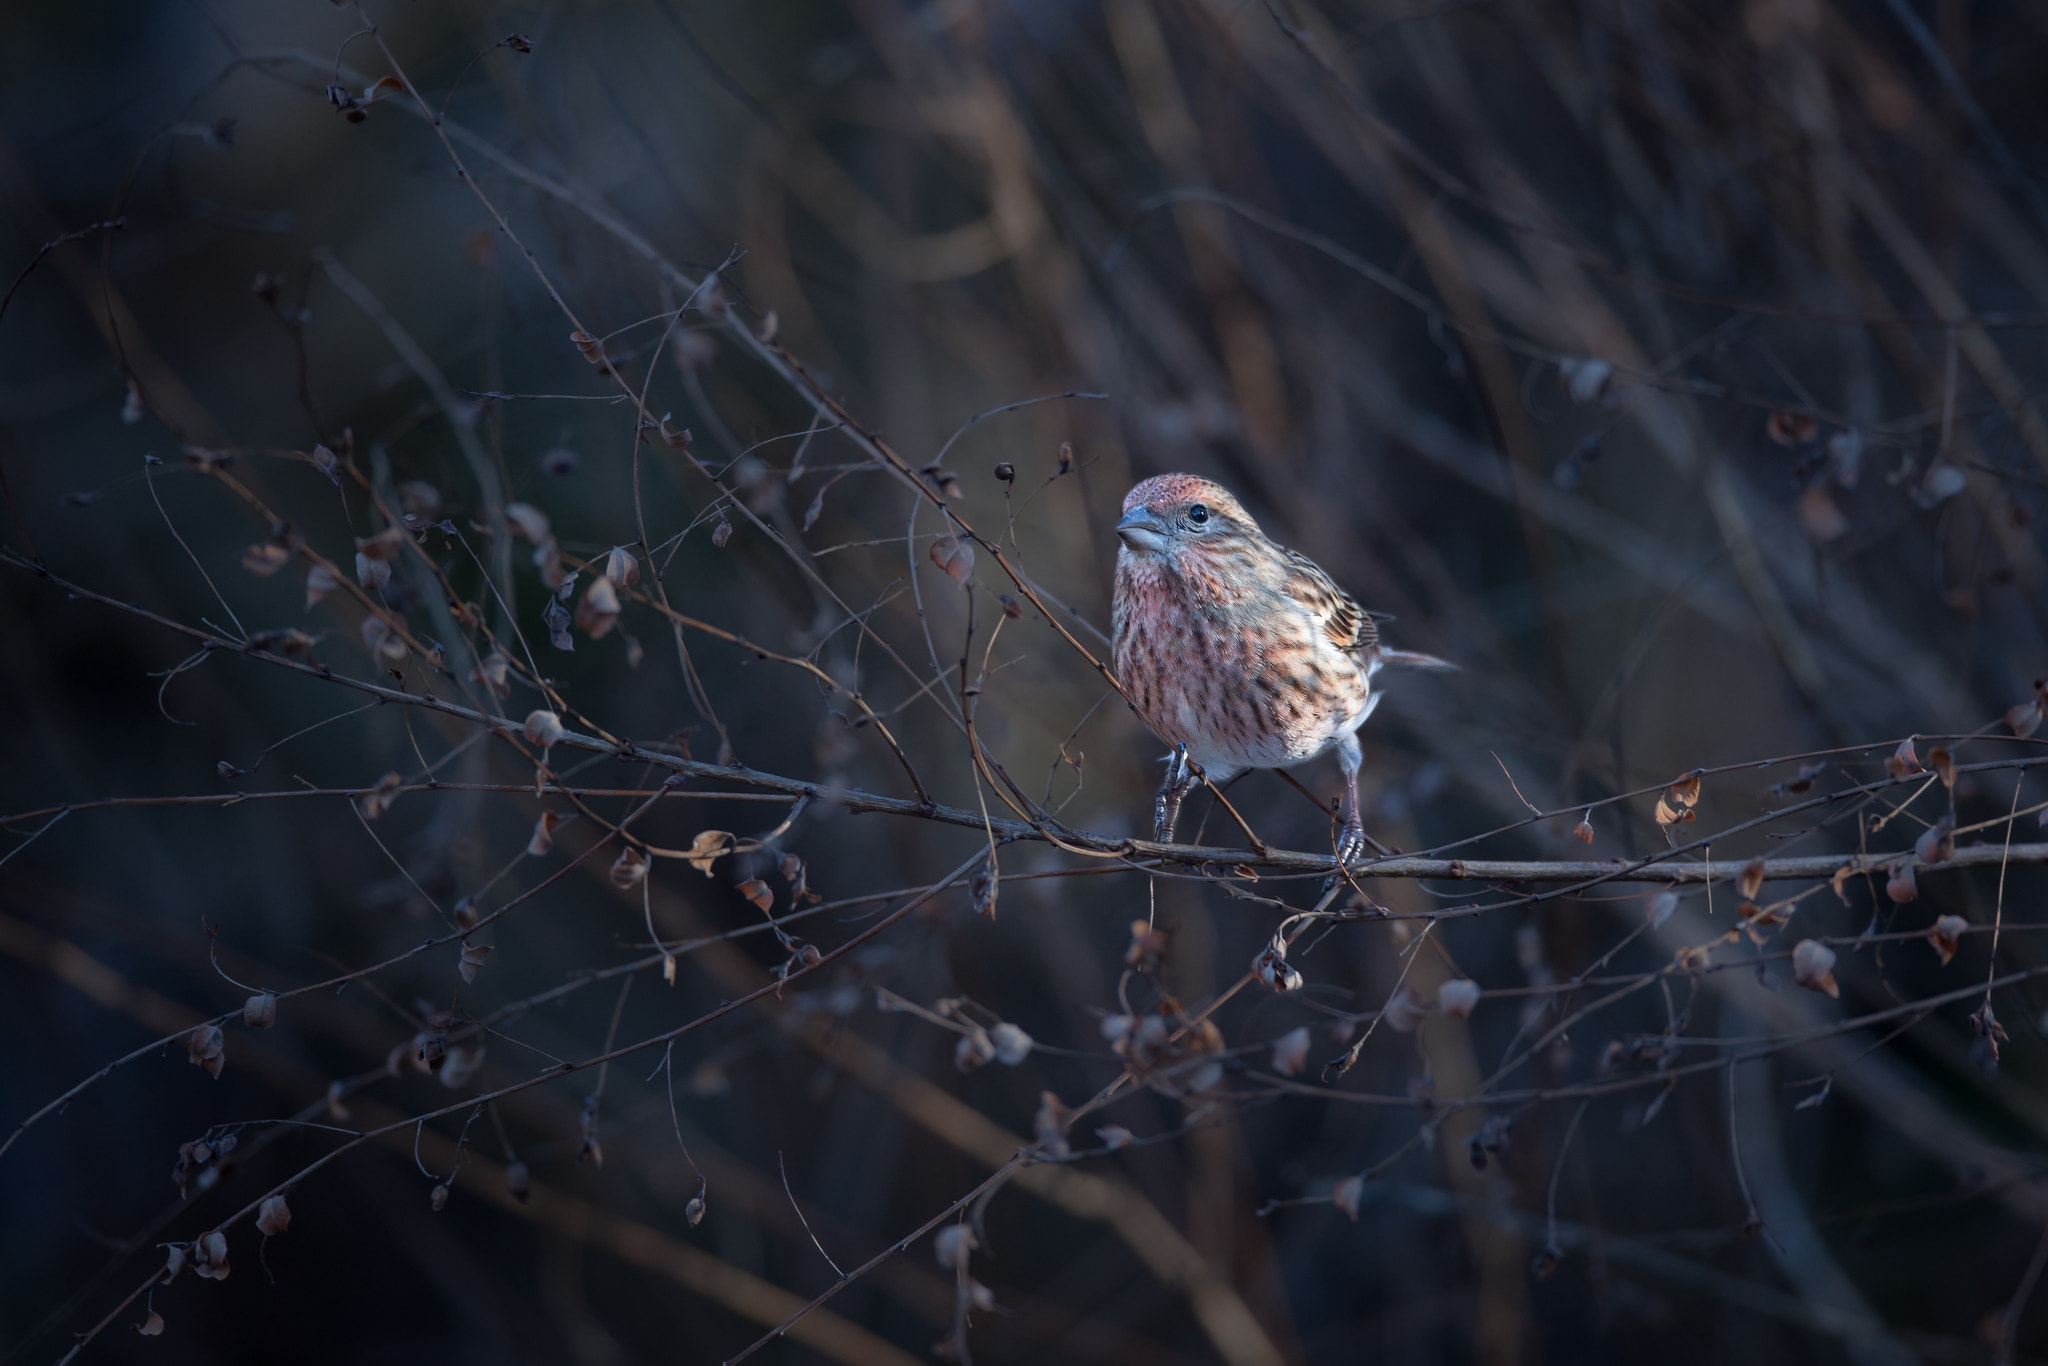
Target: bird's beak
[{"x": 1141, "y": 529}]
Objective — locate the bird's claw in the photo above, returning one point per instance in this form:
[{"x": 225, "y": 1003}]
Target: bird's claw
[{"x": 1350, "y": 844}]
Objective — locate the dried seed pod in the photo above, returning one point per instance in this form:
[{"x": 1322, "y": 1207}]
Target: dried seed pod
[
  {"x": 473, "y": 956},
  {"x": 955, "y": 555},
  {"x": 758, "y": 892},
  {"x": 693, "y": 1213},
  {"x": 206, "y": 1047},
  {"x": 1404, "y": 1012},
  {"x": 320, "y": 581},
  {"x": 629, "y": 869},
  {"x": 1903, "y": 761},
  {"x": 1290, "y": 1052},
  {"x": 1902, "y": 886},
  {"x": 260, "y": 1010},
  {"x": 952, "y": 1244},
  {"x": 1946, "y": 934},
  {"x": 1115, "y": 1136},
  {"x": 519, "y": 1182},
  {"x": 1049, "y": 1125},
  {"x": 1012, "y": 1044},
  {"x": 1006, "y": 472},
  {"x": 1937, "y": 843},
  {"x": 150, "y": 1327},
  {"x": 974, "y": 1048},
  {"x": 1661, "y": 908},
  {"x": 1813, "y": 967},
  {"x": 265, "y": 560},
  {"x": 621, "y": 567},
  {"x": 273, "y": 1216},
  {"x": 721, "y": 534},
  {"x": 1274, "y": 971},
  {"x": 1583, "y": 831},
  {"x": 1751, "y": 879},
  {"x": 440, "y": 1197},
  {"x": 1458, "y": 997},
  {"x": 1347, "y": 1194},
  {"x": 542, "y": 728}
]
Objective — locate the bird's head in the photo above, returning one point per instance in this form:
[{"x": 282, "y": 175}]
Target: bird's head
[{"x": 1172, "y": 514}]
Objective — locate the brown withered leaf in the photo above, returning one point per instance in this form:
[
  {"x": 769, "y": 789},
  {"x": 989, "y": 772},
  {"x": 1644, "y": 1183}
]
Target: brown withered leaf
[
  {"x": 708, "y": 848},
  {"x": 758, "y": 892},
  {"x": 1902, "y": 886},
  {"x": 1822, "y": 517},
  {"x": 1791, "y": 429},
  {"x": 1751, "y": 880},
  {"x": 955, "y": 555},
  {"x": 1840, "y": 881},
  {"x": 629, "y": 869},
  {"x": 320, "y": 581},
  {"x": 265, "y": 560},
  {"x": 1686, "y": 791},
  {"x": 543, "y": 838},
  {"x": 1943, "y": 764},
  {"x": 378, "y": 799},
  {"x": 1946, "y": 934},
  {"x": 1584, "y": 830},
  {"x": 1903, "y": 761}
]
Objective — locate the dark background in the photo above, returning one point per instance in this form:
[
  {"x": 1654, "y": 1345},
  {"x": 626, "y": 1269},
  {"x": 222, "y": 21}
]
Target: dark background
[{"x": 1342, "y": 257}]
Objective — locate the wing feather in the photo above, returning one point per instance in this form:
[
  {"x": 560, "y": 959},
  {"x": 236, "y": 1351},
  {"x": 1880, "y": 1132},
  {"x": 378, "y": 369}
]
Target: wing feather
[{"x": 1348, "y": 625}]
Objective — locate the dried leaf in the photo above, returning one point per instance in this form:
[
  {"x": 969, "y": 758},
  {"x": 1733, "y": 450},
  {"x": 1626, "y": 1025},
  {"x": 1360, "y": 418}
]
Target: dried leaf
[
  {"x": 260, "y": 1010},
  {"x": 708, "y": 848},
  {"x": 1943, "y": 764},
  {"x": 382, "y": 86},
  {"x": 1661, "y": 908},
  {"x": 473, "y": 956},
  {"x": 1751, "y": 880},
  {"x": 1791, "y": 429},
  {"x": 758, "y": 892},
  {"x": 955, "y": 555},
  {"x": 206, "y": 1047},
  {"x": 543, "y": 837},
  {"x": 1049, "y": 1125},
  {"x": 1903, "y": 760},
  {"x": 1822, "y": 517},
  {"x": 265, "y": 560},
  {"x": 952, "y": 1244},
  {"x": 542, "y": 728},
  {"x": 1115, "y": 1136},
  {"x": 378, "y": 799},
  {"x": 530, "y": 522},
  {"x": 2024, "y": 719},
  {"x": 1813, "y": 967},
  {"x": 1985, "y": 1022},
  {"x": 153, "y": 1326},
  {"x": 1902, "y": 886},
  {"x": 1347, "y": 1194},
  {"x": 1584, "y": 829},
  {"x": 1686, "y": 791}
]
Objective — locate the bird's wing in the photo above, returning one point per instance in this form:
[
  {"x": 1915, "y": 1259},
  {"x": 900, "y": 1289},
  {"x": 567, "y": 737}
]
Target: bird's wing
[{"x": 1348, "y": 625}]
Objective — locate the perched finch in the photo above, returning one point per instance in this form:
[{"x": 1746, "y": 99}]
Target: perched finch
[{"x": 1238, "y": 652}]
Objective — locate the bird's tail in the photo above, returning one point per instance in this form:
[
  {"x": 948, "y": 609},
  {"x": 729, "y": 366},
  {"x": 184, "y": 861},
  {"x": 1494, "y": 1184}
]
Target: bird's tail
[{"x": 1412, "y": 659}]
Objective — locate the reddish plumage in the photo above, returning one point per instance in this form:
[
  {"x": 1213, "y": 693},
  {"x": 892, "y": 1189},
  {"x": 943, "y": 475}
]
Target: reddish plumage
[{"x": 1238, "y": 652}]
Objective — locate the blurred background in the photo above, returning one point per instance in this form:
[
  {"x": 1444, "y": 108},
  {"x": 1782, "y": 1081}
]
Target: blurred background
[{"x": 1673, "y": 367}]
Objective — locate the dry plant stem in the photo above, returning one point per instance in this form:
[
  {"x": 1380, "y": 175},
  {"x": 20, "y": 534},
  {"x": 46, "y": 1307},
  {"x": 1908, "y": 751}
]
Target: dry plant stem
[
  {"x": 61, "y": 1101},
  {"x": 772, "y": 988}
]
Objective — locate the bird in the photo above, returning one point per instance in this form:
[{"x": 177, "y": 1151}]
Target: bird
[{"x": 1237, "y": 651}]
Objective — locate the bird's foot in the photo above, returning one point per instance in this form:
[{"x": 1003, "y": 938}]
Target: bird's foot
[
  {"x": 1165, "y": 812},
  {"x": 1350, "y": 844}
]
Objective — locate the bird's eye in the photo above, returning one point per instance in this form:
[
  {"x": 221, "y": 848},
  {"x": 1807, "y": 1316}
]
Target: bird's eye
[{"x": 1198, "y": 514}]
